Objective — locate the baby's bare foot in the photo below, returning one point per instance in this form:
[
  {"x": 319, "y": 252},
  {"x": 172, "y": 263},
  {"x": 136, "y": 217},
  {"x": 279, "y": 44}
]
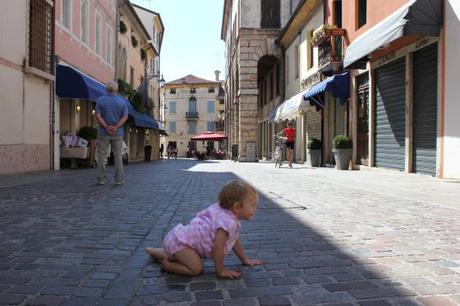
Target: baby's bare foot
[{"x": 157, "y": 253}]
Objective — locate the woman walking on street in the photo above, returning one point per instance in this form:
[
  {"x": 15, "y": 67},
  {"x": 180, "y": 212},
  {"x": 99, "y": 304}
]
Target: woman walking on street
[{"x": 289, "y": 133}]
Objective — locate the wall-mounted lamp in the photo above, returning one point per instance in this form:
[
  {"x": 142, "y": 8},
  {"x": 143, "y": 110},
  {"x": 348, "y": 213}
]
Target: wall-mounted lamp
[
  {"x": 94, "y": 111},
  {"x": 78, "y": 108},
  {"x": 130, "y": 130}
]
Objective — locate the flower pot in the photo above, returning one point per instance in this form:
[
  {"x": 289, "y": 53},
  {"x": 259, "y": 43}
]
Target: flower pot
[
  {"x": 342, "y": 158},
  {"x": 315, "y": 157}
]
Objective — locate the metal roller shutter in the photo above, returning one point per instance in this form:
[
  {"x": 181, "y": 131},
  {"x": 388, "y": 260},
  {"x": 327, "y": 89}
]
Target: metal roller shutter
[
  {"x": 425, "y": 109},
  {"x": 390, "y": 129}
]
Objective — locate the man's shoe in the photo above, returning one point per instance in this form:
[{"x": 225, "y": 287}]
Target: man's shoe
[
  {"x": 119, "y": 183},
  {"x": 100, "y": 183}
]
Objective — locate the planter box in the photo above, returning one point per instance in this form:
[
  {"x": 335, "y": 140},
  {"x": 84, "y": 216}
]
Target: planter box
[
  {"x": 315, "y": 158},
  {"x": 342, "y": 158}
]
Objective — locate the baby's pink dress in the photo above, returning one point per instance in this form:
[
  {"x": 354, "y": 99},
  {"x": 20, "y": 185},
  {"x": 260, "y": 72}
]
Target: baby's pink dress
[{"x": 200, "y": 233}]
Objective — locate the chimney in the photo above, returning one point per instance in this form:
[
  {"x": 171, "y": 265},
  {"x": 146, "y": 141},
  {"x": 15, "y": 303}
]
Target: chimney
[{"x": 217, "y": 72}]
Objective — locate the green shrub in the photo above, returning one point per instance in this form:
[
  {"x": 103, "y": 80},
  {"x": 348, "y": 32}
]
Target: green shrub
[
  {"x": 314, "y": 144},
  {"x": 342, "y": 142},
  {"x": 123, "y": 27},
  {"x": 87, "y": 133}
]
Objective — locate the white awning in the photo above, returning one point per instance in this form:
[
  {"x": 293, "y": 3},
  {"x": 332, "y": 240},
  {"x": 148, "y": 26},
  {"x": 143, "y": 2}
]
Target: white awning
[
  {"x": 292, "y": 107},
  {"x": 416, "y": 17}
]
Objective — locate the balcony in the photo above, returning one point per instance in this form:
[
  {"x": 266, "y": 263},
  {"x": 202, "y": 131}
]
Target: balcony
[
  {"x": 191, "y": 115},
  {"x": 220, "y": 125},
  {"x": 329, "y": 41}
]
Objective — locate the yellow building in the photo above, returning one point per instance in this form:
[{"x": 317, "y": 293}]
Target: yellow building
[
  {"x": 138, "y": 67},
  {"x": 192, "y": 109}
]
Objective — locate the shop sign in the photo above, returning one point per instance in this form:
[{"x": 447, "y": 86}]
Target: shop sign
[{"x": 311, "y": 80}]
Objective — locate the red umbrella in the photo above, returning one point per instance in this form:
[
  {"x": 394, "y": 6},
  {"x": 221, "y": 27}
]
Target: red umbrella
[{"x": 209, "y": 136}]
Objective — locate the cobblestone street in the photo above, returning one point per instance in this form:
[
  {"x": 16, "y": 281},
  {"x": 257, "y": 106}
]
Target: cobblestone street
[{"x": 328, "y": 237}]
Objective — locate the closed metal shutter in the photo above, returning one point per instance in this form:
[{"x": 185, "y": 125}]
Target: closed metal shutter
[
  {"x": 425, "y": 109},
  {"x": 390, "y": 129}
]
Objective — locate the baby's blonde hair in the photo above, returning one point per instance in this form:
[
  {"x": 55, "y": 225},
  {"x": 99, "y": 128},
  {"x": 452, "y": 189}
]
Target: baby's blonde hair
[{"x": 234, "y": 191}]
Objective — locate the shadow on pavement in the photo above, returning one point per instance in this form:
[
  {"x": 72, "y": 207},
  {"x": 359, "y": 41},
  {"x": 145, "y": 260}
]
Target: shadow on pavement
[{"x": 65, "y": 241}]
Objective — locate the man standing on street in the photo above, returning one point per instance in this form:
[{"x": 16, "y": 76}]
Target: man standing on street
[{"x": 111, "y": 114}]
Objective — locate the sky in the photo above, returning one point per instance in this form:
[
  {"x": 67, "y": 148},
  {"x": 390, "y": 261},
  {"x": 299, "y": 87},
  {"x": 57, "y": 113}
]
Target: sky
[{"x": 191, "y": 43}]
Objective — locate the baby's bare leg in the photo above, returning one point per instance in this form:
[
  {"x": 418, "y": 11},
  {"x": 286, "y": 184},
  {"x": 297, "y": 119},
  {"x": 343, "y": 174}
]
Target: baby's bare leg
[
  {"x": 188, "y": 263},
  {"x": 157, "y": 253}
]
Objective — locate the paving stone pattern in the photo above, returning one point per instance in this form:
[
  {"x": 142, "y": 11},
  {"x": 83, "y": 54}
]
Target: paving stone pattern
[{"x": 326, "y": 240}]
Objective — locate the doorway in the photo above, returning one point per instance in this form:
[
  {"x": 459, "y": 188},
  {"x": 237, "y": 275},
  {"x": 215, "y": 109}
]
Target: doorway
[{"x": 362, "y": 82}]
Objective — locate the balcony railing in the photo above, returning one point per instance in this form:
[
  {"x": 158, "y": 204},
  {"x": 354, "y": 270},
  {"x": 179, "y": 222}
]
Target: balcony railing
[
  {"x": 220, "y": 125},
  {"x": 191, "y": 115},
  {"x": 330, "y": 48}
]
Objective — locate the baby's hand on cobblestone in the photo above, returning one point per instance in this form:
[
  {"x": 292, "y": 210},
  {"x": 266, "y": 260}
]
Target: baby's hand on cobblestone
[
  {"x": 253, "y": 262},
  {"x": 228, "y": 274}
]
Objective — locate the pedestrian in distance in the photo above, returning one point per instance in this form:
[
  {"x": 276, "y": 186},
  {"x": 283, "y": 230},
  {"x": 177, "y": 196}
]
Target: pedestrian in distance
[
  {"x": 289, "y": 132},
  {"x": 161, "y": 150},
  {"x": 111, "y": 114},
  {"x": 211, "y": 234}
]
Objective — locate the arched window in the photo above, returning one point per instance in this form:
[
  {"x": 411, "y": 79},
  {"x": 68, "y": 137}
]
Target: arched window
[{"x": 192, "y": 105}]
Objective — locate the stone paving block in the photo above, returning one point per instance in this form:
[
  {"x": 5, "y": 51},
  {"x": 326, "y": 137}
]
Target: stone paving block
[
  {"x": 257, "y": 282},
  {"x": 11, "y": 299},
  {"x": 80, "y": 301},
  {"x": 347, "y": 286},
  {"x": 274, "y": 301},
  {"x": 208, "y": 295},
  {"x": 114, "y": 302},
  {"x": 361, "y": 294},
  {"x": 257, "y": 292},
  {"x": 103, "y": 275},
  {"x": 58, "y": 290},
  {"x": 375, "y": 303},
  {"x": 207, "y": 303},
  {"x": 202, "y": 286},
  {"x": 282, "y": 281},
  {"x": 24, "y": 289},
  {"x": 436, "y": 301},
  {"x": 48, "y": 300},
  {"x": 96, "y": 283},
  {"x": 88, "y": 292}
]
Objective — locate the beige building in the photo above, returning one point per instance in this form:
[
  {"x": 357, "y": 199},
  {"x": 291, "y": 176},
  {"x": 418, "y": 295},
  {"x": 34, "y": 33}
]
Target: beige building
[
  {"x": 26, "y": 83},
  {"x": 254, "y": 72},
  {"x": 192, "y": 109}
]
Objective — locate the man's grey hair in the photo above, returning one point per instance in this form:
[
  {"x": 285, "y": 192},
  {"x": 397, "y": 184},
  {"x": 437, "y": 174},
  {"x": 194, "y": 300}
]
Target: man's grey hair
[{"x": 112, "y": 86}]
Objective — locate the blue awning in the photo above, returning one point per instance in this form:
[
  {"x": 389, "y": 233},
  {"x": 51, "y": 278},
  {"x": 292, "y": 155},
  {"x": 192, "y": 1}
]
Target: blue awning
[
  {"x": 140, "y": 119},
  {"x": 338, "y": 85},
  {"x": 74, "y": 84}
]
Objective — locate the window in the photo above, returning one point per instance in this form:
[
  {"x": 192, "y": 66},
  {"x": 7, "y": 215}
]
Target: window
[
  {"x": 172, "y": 91},
  {"x": 211, "y": 90},
  {"x": 287, "y": 69},
  {"x": 41, "y": 35},
  {"x": 66, "y": 16},
  {"x": 211, "y": 126},
  {"x": 277, "y": 74},
  {"x": 272, "y": 86},
  {"x": 131, "y": 76},
  {"x": 172, "y": 126},
  {"x": 84, "y": 20},
  {"x": 192, "y": 127},
  {"x": 362, "y": 11},
  {"x": 270, "y": 14},
  {"x": 109, "y": 45},
  {"x": 193, "y": 90},
  {"x": 172, "y": 107},
  {"x": 297, "y": 61},
  {"x": 310, "y": 50},
  {"x": 98, "y": 33},
  {"x": 211, "y": 107},
  {"x": 192, "y": 105},
  {"x": 338, "y": 13}
]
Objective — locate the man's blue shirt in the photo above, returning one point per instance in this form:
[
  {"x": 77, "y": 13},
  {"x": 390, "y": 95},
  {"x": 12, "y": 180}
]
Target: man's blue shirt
[{"x": 111, "y": 108}]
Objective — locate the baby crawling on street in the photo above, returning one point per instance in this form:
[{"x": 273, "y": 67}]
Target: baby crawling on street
[{"x": 212, "y": 233}]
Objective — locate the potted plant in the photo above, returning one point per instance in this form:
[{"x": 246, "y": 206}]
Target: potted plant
[
  {"x": 343, "y": 150},
  {"x": 314, "y": 152}
]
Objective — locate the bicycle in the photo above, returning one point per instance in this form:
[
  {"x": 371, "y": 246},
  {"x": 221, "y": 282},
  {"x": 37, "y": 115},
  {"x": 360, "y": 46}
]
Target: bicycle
[{"x": 277, "y": 156}]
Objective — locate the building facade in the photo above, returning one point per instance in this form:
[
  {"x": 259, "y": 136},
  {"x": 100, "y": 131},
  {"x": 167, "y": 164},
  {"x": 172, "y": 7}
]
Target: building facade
[
  {"x": 85, "y": 35},
  {"x": 191, "y": 110},
  {"x": 449, "y": 106},
  {"x": 26, "y": 85},
  {"x": 249, "y": 30}
]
